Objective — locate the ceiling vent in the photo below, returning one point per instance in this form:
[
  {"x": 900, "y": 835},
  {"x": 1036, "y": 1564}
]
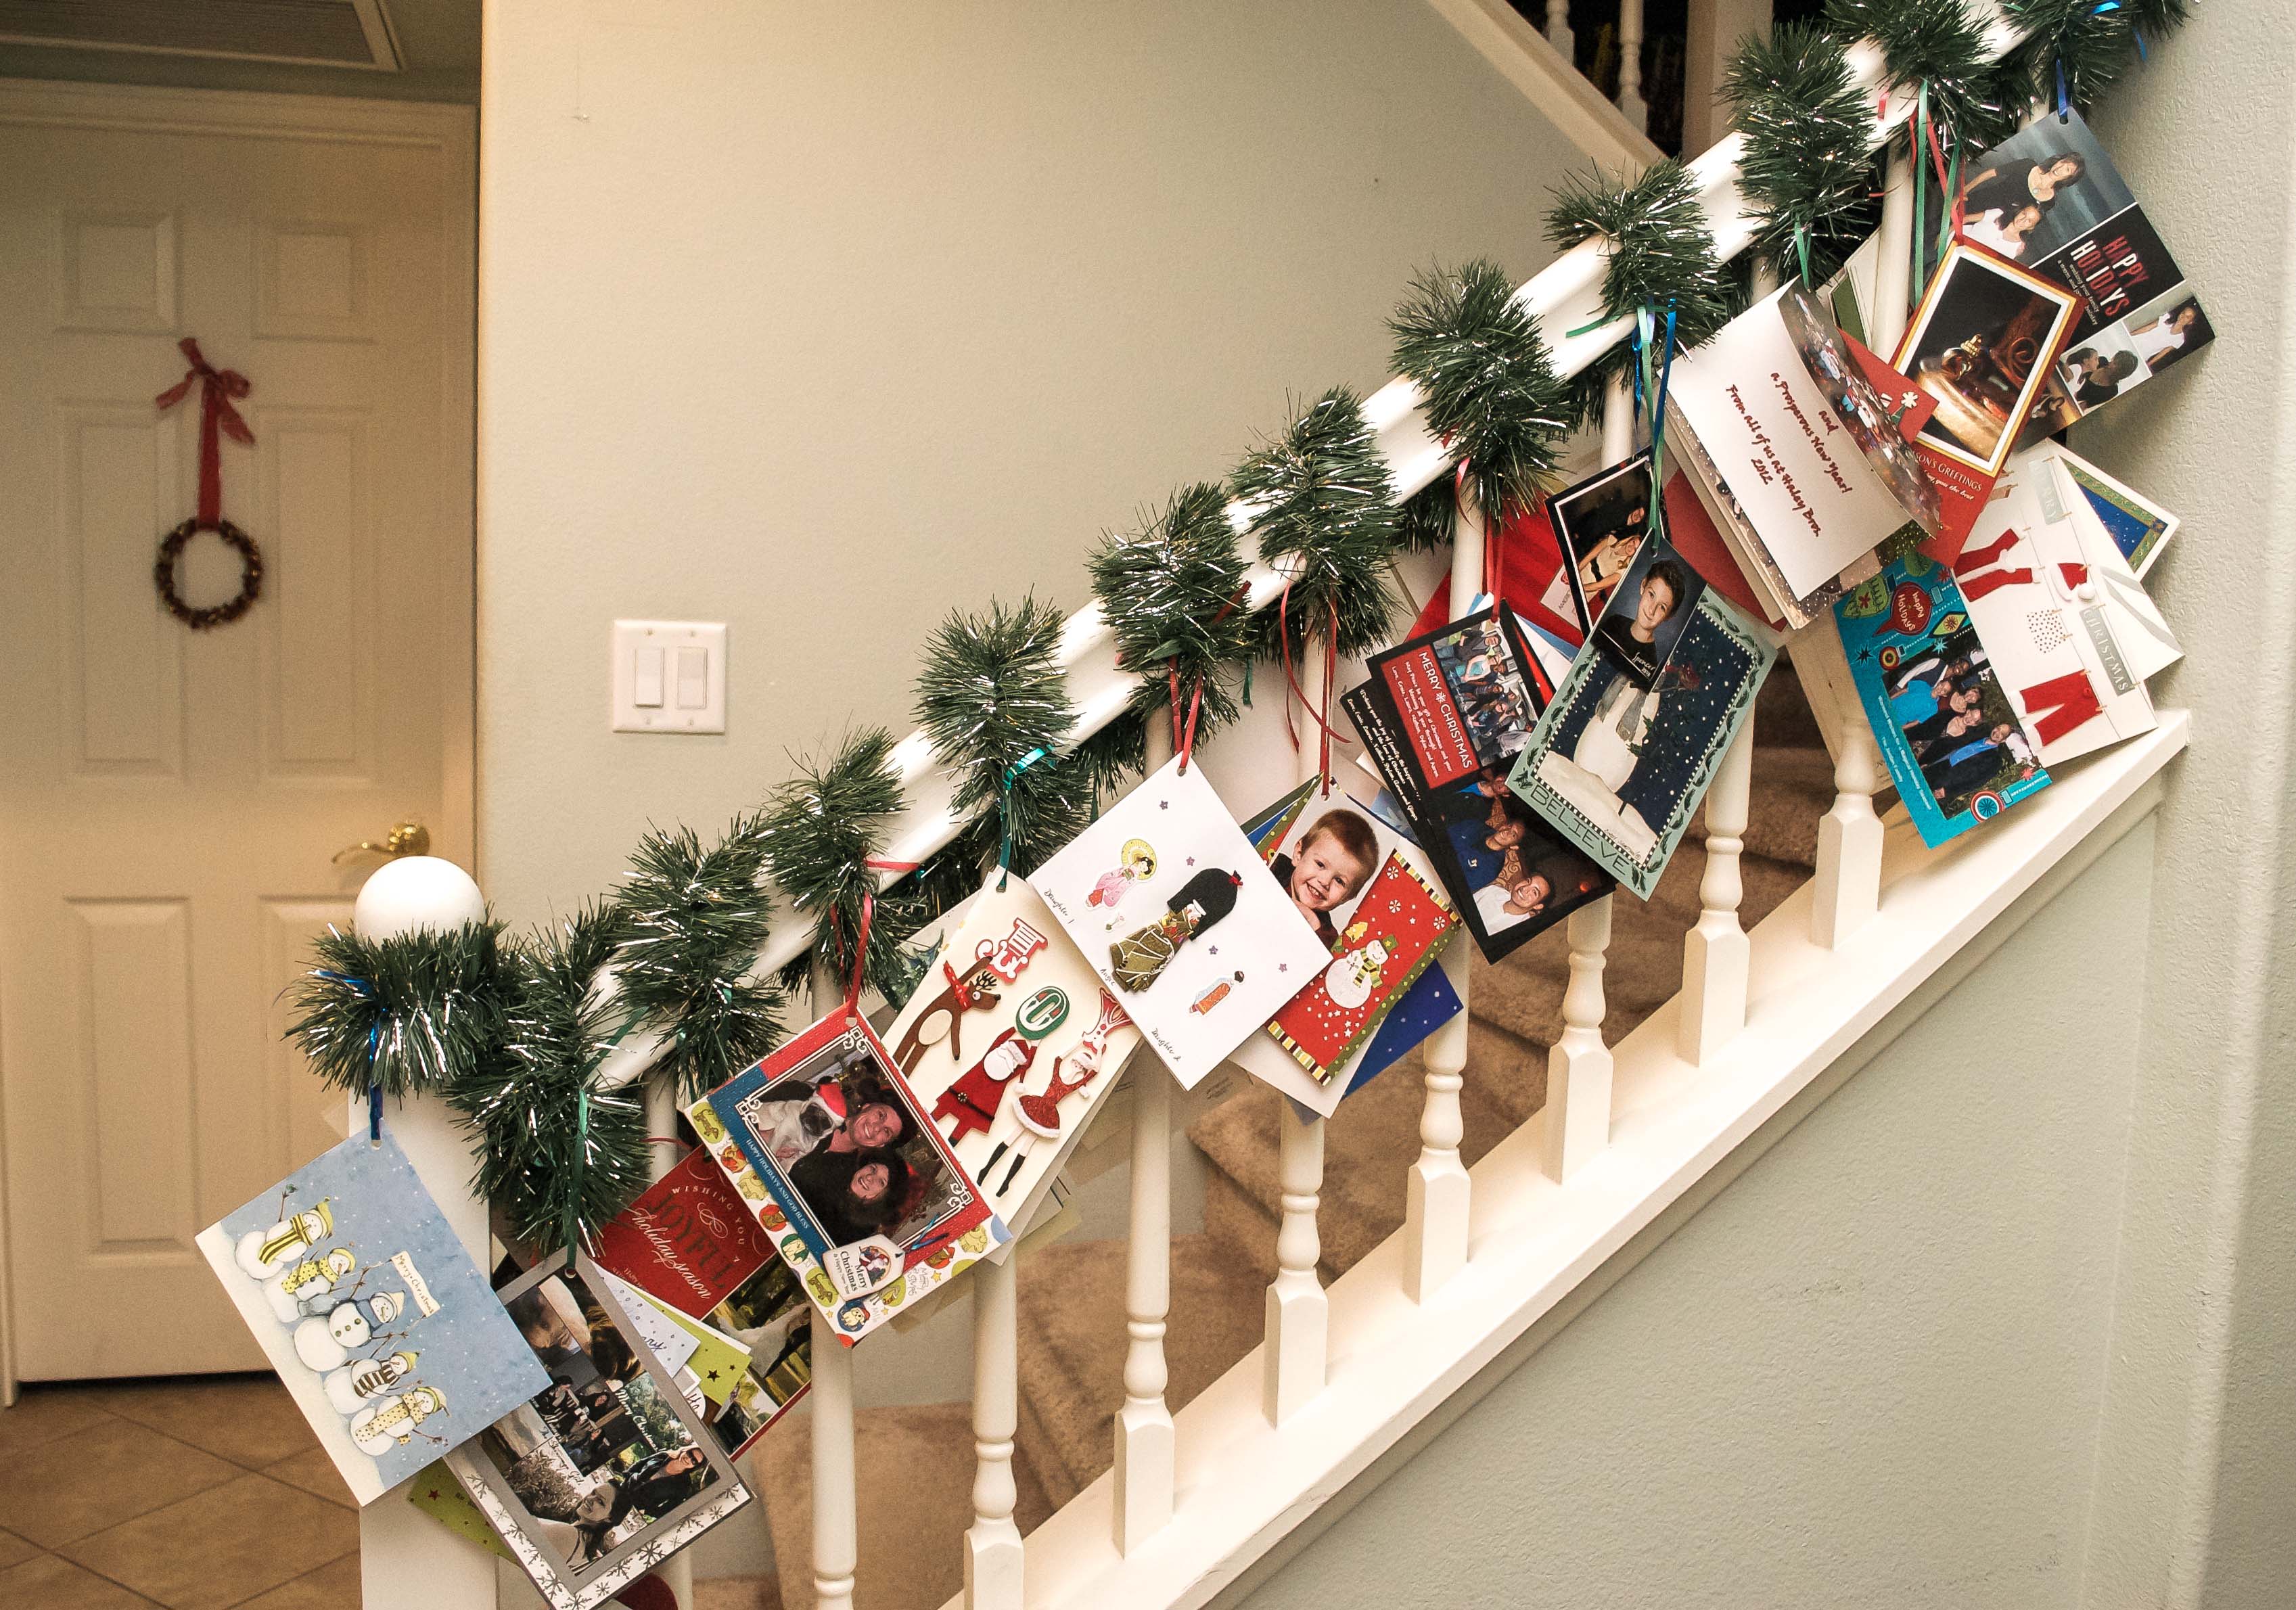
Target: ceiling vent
[{"x": 328, "y": 33}]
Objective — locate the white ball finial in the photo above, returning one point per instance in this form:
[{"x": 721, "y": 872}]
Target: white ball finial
[{"x": 416, "y": 892}]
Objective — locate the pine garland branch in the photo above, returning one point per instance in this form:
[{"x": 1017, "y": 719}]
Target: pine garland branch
[
  {"x": 1807, "y": 170},
  {"x": 1488, "y": 387},
  {"x": 407, "y": 1015},
  {"x": 1661, "y": 254},
  {"x": 2090, "y": 46},
  {"x": 542, "y": 1149},
  {"x": 1173, "y": 594},
  {"x": 822, "y": 827},
  {"x": 1941, "y": 45},
  {"x": 1324, "y": 510},
  {"x": 993, "y": 698},
  {"x": 690, "y": 923}
]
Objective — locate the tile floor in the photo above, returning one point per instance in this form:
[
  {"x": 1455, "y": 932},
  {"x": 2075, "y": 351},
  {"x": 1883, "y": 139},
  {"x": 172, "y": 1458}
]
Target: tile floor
[{"x": 201, "y": 1494}]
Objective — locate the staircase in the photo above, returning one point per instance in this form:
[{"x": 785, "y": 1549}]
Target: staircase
[{"x": 915, "y": 1464}]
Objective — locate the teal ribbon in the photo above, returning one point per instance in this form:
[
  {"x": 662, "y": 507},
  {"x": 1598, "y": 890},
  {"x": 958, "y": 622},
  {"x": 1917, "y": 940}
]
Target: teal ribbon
[
  {"x": 1802, "y": 247},
  {"x": 1653, "y": 374},
  {"x": 1004, "y": 807}
]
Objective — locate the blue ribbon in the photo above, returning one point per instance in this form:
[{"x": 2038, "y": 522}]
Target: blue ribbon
[{"x": 374, "y": 1115}]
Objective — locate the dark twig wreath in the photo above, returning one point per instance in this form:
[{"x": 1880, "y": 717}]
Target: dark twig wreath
[{"x": 250, "y": 574}]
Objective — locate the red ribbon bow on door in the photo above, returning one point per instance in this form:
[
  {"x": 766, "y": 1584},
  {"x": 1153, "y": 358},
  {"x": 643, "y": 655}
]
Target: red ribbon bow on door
[{"x": 217, "y": 387}]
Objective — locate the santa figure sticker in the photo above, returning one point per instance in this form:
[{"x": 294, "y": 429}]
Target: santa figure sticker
[
  {"x": 362, "y": 1297},
  {"x": 1181, "y": 920}
]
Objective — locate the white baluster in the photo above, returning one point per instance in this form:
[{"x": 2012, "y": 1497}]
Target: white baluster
[
  {"x": 1893, "y": 274},
  {"x": 1716, "y": 952},
  {"x": 1558, "y": 30},
  {"x": 836, "y": 1493},
  {"x": 1579, "y": 1064},
  {"x": 992, "y": 1545},
  {"x": 1630, "y": 64},
  {"x": 1298, "y": 1313},
  {"x": 1146, "y": 1445},
  {"x": 1617, "y": 419}
]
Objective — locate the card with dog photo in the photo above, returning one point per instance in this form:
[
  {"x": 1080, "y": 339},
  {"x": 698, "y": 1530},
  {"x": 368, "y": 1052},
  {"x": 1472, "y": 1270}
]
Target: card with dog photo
[
  {"x": 1180, "y": 920},
  {"x": 605, "y": 1473},
  {"x": 1625, "y": 752},
  {"x": 848, "y": 1172}
]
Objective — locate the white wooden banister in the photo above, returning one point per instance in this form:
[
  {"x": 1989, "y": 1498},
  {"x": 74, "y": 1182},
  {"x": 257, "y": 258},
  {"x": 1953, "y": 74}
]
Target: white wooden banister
[
  {"x": 1144, "y": 1446},
  {"x": 1631, "y": 104},
  {"x": 992, "y": 1547},
  {"x": 1558, "y": 28}
]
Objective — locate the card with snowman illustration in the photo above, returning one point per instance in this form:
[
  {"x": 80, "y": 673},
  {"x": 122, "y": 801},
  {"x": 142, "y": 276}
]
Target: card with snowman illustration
[
  {"x": 364, "y": 1298},
  {"x": 1374, "y": 902},
  {"x": 1181, "y": 920},
  {"x": 1011, "y": 1043},
  {"x": 839, "y": 1161}
]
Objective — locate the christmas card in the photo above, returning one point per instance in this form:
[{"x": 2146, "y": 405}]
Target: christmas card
[
  {"x": 1625, "y": 752},
  {"x": 2049, "y": 198},
  {"x": 1180, "y": 920},
  {"x": 1011, "y": 1042},
  {"x": 607, "y": 1471},
  {"x": 1443, "y": 716},
  {"x": 2065, "y": 624},
  {"x": 1957, "y": 761},
  {"x": 769, "y": 1315},
  {"x": 1599, "y": 525},
  {"x": 709, "y": 1361},
  {"x": 1377, "y": 910},
  {"x": 1979, "y": 347},
  {"x": 842, "y": 1163},
  {"x": 366, "y": 1303},
  {"x": 1795, "y": 456},
  {"x": 2139, "y": 527}
]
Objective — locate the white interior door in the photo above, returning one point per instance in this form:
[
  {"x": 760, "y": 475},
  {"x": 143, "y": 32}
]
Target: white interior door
[{"x": 171, "y": 800}]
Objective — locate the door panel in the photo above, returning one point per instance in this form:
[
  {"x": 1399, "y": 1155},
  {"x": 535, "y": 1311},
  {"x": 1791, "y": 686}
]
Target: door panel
[{"x": 172, "y": 799}]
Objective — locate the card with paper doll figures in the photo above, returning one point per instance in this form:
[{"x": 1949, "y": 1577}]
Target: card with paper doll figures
[{"x": 1180, "y": 920}]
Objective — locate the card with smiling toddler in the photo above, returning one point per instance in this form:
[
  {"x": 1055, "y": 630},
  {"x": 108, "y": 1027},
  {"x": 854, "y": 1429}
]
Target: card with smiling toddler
[
  {"x": 1372, "y": 898},
  {"x": 1181, "y": 921}
]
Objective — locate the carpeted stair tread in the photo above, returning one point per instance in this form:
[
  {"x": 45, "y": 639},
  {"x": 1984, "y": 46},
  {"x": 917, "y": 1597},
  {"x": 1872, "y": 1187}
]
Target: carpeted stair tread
[
  {"x": 913, "y": 1469},
  {"x": 738, "y": 1593},
  {"x": 1073, "y": 1341}
]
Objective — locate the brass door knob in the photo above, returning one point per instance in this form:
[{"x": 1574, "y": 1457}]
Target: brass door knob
[{"x": 408, "y": 838}]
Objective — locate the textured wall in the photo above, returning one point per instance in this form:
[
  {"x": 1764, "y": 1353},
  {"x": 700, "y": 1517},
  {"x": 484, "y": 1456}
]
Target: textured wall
[
  {"x": 821, "y": 321},
  {"x": 1866, "y": 1375}
]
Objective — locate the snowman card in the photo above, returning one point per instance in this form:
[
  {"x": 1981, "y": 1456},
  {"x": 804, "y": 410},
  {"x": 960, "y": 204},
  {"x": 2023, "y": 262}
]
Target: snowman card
[
  {"x": 841, "y": 1163},
  {"x": 607, "y": 1471},
  {"x": 1181, "y": 921},
  {"x": 1373, "y": 901},
  {"x": 364, "y": 1301},
  {"x": 1011, "y": 1042}
]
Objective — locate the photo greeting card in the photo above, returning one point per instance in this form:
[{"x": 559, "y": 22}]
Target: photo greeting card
[
  {"x": 1379, "y": 913},
  {"x": 1181, "y": 921},
  {"x": 1599, "y": 525},
  {"x": 607, "y": 1471},
  {"x": 1801, "y": 465},
  {"x": 843, "y": 1166},
  {"x": 1947, "y": 731},
  {"x": 1625, "y": 752},
  {"x": 1443, "y": 717},
  {"x": 1011, "y": 1042},
  {"x": 362, "y": 1296}
]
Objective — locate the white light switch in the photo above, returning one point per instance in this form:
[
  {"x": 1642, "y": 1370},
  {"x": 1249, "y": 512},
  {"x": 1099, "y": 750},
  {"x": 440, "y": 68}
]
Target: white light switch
[{"x": 668, "y": 677}]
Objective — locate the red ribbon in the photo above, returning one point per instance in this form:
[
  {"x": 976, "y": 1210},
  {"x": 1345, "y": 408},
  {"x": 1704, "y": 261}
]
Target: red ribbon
[
  {"x": 217, "y": 387},
  {"x": 861, "y": 940},
  {"x": 1322, "y": 718},
  {"x": 1184, "y": 732}
]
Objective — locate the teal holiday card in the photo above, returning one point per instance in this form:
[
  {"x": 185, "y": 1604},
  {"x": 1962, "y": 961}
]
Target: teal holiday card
[{"x": 366, "y": 1303}]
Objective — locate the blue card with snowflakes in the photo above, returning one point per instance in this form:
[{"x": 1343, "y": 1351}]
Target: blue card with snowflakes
[
  {"x": 360, "y": 1294},
  {"x": 1625, "y": 752}
]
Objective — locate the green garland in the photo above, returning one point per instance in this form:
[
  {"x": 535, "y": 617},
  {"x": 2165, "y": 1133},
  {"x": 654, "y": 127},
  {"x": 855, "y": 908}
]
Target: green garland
[
  {"x": 1807, "y": 171},
  {"x": 1173, "y": 595},
  {"x": 690, "y": 921},
  {"x": 554, "y": 1149},
  {"x": 2090, "y": 46},
  {"x": 1939, "y": 46},
  {"x": 823, "y": 826},
  {"x": 1324, "y": 509},
  {"x": 408, "y": 1016}
]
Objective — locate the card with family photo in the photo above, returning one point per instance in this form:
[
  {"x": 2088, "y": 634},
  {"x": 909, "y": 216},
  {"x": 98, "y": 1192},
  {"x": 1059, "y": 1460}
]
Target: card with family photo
[
  {"x": 1624, "y": 754},
  {"x": 1379, "y": 914},
  {"x": 1011, "y": 1041},
  {"x": 1443, "y": 716},
  {"x": 848, "y": 1174},
  {"x": 1952, "y": 739},
  {"x": 1981, "y": 345},
  {"x": 1599, "y": 525},
  {"x": 1180, "y": 920},
  {"x": 369, "y": 1308},
  {"x": 607, "y": 1471}
]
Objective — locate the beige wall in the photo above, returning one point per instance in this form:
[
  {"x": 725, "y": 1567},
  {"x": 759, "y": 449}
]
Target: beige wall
[{"x": 818, "y": 321}]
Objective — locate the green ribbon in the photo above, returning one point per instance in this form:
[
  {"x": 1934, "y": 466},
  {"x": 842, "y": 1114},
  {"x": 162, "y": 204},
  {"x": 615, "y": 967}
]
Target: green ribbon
[
  {"x": 1921, "y": 189},
  {"x": 1005, "y": 808}
]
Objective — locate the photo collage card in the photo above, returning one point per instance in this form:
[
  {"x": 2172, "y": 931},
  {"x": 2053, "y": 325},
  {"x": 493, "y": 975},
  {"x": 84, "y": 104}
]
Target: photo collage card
[
  {"x": 365, "y": 1301},
  {"x": 843, "y": 1166},
  {"x": 1599, "y": 525},
  {"x": 605, "y": 1472},
  {"x": 1623, "y": 755},
  {"x": 1444, "y": 717},
  {"x": 1181, "y": 921}
]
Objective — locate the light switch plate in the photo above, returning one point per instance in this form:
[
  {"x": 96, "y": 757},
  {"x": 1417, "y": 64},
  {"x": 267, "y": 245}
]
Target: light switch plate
[{"x": 691, "y": 667}]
